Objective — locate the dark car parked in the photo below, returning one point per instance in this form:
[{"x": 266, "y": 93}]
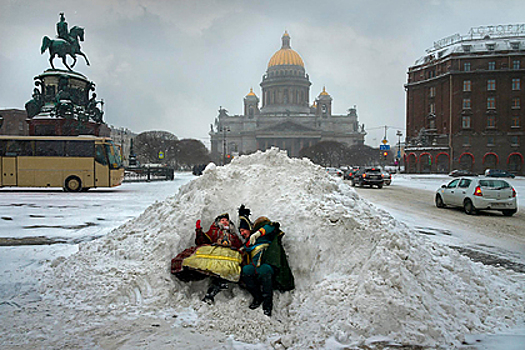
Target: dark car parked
[
  {"x": 368, "y": 176},
  {"x": 458, "y": 173},
  {"x": 498, "y": 173}
]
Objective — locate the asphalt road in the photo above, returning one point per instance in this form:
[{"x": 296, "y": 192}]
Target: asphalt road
[{"x": 488, "y": 232}]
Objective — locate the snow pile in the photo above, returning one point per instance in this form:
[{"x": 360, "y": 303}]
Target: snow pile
[{"x": 359, "y": 273}]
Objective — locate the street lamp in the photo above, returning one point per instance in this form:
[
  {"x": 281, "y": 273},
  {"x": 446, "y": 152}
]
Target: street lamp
[
  {"x": 399, "y": 134},
  {"x": 224, "y": 129}
]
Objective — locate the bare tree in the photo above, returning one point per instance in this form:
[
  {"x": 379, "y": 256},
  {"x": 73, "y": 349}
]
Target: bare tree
[
  {"x": 191, "y": 152},
  {"x": 362, "y": 155},
  {"x": 326, "y": 153},
  {"x": 148, "y": 145}
]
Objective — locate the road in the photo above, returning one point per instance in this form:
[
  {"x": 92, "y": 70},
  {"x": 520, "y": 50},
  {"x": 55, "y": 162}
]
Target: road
[{"x": 489, "y": 237}]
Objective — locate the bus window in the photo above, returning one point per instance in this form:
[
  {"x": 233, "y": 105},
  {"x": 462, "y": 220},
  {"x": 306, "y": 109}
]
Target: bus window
[
  {"x": 79, "y": 148},
  {"x": 49, "y": 148},
  {"x": 15, "y": 148},
  {"x": 114, "y": 157},
  {"x": 100, "y": 155}
]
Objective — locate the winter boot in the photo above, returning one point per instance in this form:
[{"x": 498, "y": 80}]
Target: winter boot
[
  {"x": 255, "y": 303},
  {"x": 255, "y": 291},
  {"x": 267, "y": 292},
  {"x": 213, "y": 290}
]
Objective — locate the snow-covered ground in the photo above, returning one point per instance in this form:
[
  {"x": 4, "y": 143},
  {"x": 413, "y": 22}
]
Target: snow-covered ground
[{"x": 361, "y": 275}]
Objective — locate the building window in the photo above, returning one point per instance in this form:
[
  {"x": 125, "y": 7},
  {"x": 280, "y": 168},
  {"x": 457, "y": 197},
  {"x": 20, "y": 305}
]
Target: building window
[
  {"x": 514, "y": 140},
  {"x": 432, "y": 108},
  {"x": 466, "y": 66},
  {"x": 491, "y": 85},
  {"x": 466, "y": 141},
  {"x": 467, "y": 85},
  {"x": 466, "y": 103},
  {"x": 432, "y": 91},
  {"x": 492, "y": 65},
  {"x": 465, "y": 122},
  {"x": 516, "y": 84},
  {"x": 515, "y": 122},
  {"x": 516, "y": 103},
  {"x": 21, "y": 126},
  {"x": 491, "y": 121},
  {"x": 490, "y": 141},
  {"x": 491, "y": 103},
  {"x": 516, "y": 64}
]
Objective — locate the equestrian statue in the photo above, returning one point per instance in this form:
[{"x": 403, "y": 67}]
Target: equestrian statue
[{"x": 67, "y": 43}]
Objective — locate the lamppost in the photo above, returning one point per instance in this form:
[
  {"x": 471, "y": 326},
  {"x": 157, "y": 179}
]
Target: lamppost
[
  {"x": 224, "y": 129},
  {"x": 399, "y": 134}
]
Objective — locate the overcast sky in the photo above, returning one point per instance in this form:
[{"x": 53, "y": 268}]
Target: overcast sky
[{"x": 169, "y": 65}]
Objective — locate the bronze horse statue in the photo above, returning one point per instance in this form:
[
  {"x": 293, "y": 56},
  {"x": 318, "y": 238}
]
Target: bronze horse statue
[{"x": 62, "y": 48}]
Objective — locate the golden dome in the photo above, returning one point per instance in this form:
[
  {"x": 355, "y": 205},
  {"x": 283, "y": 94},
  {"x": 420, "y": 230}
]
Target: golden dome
[
  {"x": 251, "y": 93},
  {"x": 324, "y": 93},
  {"x": 286, "y": 56}
]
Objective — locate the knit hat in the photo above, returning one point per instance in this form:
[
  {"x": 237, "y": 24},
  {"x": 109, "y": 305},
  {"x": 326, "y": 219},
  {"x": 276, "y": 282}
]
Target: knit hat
[{"x": 244, "y": 218}]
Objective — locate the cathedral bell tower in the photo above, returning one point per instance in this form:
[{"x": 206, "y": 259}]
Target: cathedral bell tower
[
  {"x": 285, "y": 86},
  {"x": 251, "y": 105},
  {"x": 323, "y": 104}
]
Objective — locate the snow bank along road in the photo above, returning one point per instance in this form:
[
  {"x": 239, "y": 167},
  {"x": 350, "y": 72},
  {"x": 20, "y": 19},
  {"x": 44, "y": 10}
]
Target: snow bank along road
[
  {"x": 488, "y": 237},
  {"x": 361, "y": 276}
]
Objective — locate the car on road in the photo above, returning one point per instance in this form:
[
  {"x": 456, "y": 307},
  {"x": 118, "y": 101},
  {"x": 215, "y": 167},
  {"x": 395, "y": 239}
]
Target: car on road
[
  {"x": 349, "y": 174},
  {"x": 387, "y": 177},
  {"x": 458, "y": 173},
  {"x": 473, "y": 194},
  {"x": 369, "y": 176},
  {"x": 334, "y": 171},
  {"x": 498, "y": 173}
]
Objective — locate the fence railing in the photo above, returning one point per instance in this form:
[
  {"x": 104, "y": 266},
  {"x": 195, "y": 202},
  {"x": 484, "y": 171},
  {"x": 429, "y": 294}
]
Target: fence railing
[{"x": 146, "y": 174}]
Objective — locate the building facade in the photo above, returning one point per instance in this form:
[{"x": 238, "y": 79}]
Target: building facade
[
  {"x": 464, "y": 103},
  {"x": 14, "y": 122},
  {"x": 284, "y": 118}
]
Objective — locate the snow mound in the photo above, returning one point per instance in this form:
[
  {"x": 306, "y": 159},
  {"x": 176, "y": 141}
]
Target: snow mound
[{"x": 359, "y": 273}]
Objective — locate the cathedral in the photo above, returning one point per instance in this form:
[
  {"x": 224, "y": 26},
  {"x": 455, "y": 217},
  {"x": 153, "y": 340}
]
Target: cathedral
[{"x": 285, "y": 118}]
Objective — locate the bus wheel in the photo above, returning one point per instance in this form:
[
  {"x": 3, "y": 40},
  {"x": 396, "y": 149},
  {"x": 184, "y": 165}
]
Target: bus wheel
[{"x": 73, "y": 184}]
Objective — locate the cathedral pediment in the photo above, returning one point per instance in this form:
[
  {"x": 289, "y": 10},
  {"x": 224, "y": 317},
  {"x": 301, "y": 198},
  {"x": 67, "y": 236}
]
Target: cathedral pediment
[{"x": 287, "y": 126}]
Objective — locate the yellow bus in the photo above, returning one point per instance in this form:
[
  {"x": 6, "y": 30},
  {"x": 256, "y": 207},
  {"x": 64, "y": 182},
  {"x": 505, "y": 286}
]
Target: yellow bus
[{"x": 75, "y": 163}]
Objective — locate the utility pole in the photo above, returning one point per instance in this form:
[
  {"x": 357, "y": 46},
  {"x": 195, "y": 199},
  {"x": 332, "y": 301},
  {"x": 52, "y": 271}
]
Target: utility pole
[
  {"x": 224, "y": 129},
  {"x": 399, "y": 134}
]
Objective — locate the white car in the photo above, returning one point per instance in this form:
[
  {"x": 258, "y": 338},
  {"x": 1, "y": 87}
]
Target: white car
[
  {"x": 334, "y": 172},
  {"x": 475, "y": 194}
]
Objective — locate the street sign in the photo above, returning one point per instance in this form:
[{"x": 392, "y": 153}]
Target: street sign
[
  {"x": 385, "y": 141},
  {"x": 161, "y": 155},
  {"x": 384, "y": 147}
]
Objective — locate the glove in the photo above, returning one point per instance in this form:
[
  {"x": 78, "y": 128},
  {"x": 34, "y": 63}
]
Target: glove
[
  {"x": 198, "y": 225},
  {"x": 254, "y": 237}
]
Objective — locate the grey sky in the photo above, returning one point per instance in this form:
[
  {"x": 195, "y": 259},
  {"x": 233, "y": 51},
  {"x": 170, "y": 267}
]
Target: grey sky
[{"x": 169, "y": 65}]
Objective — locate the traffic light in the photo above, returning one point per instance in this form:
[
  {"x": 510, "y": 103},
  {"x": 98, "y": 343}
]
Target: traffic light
[{"x": 385, "y": 153}]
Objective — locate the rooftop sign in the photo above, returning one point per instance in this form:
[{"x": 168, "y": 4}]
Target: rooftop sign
[
  {"x": 499, "y": 30},
  {"x": 480, "y": 32}
]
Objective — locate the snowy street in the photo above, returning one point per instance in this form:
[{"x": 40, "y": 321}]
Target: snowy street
[
  {"x": 101, "y": 280},
  {"x": 410, "y": 199}
]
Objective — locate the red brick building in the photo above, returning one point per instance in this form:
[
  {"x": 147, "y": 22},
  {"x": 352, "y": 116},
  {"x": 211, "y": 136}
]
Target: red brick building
[{"x": 464, "y": 103}]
